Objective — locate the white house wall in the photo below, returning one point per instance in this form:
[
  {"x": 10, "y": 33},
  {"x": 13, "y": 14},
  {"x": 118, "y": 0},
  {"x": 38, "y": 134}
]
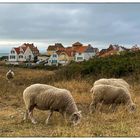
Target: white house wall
[
  {"x": 21, "y": 59},
  {"x": 13, "y": 60},
  {"x": 77, "y": 55},
  {"x": 53, "y": 59},
  {"x": 84, "y": 56},
  {"x": 88, "y": 55},
  {"x": 27, "y": 53},
  {"x": 13, "y": 54},
  {"x": 21, "y": 54}
]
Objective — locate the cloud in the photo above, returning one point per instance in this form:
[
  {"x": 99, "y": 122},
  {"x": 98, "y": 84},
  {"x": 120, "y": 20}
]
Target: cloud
[{"x": 50, "y": 23}]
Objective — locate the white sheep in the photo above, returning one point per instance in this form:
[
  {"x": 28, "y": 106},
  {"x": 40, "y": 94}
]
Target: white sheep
[
  {"x": 111, "y": 95},
  {"x": 46, "y": 97},
  {"x": 10, "y": 75},
  {"x": 113, "y": 82}
]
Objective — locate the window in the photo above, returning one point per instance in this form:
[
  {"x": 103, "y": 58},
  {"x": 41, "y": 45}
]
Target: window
[
  {"x": 12, "y": 57},
  {"x": 54, "y": 61},
  {"x": 79, "y": 58},
  {"x": 20, "y": 56},
  {"x": 54, "y": 55},
  {"x": 12, "y": 52},
  {"x": 29, "y": 57}
]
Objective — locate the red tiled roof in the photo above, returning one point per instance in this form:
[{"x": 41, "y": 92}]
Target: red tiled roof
[
  {"x": 77, "y": 44},
  {"x": 17, "y": 50},
  {"x": 111, "y": 50},
  {"x": 24, "y": 48},
  {"x": 57, "y": 46},
  {"x": 51, "y": 48},
  {"x": 68, "y": 51},
  {"x": 59, "y": 51},
  {"x": 34, "y": 49},
  {"x": 81, "y": 49}
]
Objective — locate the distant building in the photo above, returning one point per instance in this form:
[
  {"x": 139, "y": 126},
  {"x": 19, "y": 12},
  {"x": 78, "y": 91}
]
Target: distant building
[
  {"x": 77, "y": 52},
  {"x": 112, "y": 50},
  {"x": 62, "y": 57},
  {"x": 53, "y": 48},
  {"x": 25, "y": 52},
  {"x": 135, "y": 48},
  {"x": 85, "y": 53},
  {"x": 65, "y": 56},
  {"x": 53, "y": 60}
]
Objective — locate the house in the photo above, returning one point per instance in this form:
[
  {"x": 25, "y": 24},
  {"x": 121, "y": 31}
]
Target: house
[
  {"x": 25, "y": 52},
  {"x": 112, "y": 50},
  {"x": 135, "y": 48},
  {"x": 84, "y": 52},
  {"x": 62, "y": 57},
  {"x": 53, "y": 48},
  {"x": 58, "y": 54},
  {"x": 53, "y": 59},
  {"x": 65, "y": 56},
  {"x": 77, "y": 52}
]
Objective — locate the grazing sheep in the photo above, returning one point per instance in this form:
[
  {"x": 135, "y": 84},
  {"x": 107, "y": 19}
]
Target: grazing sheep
[
  {"x": 46, "y": 97},
  {"x": 112, "y": 81},
  {"x": 111, "y": 95},
  {"x": 10, "y": 75}
]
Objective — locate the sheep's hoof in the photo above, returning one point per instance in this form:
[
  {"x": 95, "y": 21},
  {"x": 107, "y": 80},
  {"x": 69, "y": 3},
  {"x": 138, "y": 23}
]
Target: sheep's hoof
[
  {"x": 46, "y": 122},
  {"x": 34, "y": 122}
]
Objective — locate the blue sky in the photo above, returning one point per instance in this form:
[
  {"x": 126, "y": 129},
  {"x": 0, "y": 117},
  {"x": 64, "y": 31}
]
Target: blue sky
[{"x": 44, "y": 24}]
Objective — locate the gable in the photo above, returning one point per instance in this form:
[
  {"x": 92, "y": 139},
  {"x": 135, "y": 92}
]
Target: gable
[{"x": 28, "y": 51}]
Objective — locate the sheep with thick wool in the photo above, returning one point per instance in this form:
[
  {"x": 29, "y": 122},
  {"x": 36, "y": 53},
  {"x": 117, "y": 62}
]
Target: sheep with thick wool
[
  {"x": 46, "y": 97},
  {"x": 111, "y": 95},
  {"x": 112, "y": 81}
]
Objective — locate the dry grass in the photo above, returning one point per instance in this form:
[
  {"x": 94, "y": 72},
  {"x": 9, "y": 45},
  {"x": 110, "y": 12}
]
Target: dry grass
[{"x": 120, "y": 123}]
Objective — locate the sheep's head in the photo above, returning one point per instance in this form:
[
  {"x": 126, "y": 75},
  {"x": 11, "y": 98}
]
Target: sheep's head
[
  {"x": 75, "y": 118},
  {"x": 132, "y": 108}
]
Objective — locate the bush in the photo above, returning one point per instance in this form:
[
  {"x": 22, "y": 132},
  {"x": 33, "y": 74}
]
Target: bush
[{"x": 113, "y": 66}]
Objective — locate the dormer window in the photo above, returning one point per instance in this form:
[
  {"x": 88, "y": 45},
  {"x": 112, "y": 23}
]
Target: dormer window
[{"x": 12, "y": 52}]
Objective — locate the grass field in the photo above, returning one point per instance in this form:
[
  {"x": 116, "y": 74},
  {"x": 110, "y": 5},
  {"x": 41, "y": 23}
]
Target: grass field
[{"x": 120, "y": 123}]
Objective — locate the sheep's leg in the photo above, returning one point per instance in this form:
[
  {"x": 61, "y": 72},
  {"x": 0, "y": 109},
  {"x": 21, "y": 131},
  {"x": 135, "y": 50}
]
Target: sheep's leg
[
  {"x": 31, "y": 117},
  {"x": 49, "y": 116},
  {"x": 30, "y": 112},
  {"x": 113, "y": 107},
  {"x": 64, "y": 116},
  {"x": 99, "y": 108},
  {"x": 25, "y": 115},
  {"x": 92, "y": 107}
]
